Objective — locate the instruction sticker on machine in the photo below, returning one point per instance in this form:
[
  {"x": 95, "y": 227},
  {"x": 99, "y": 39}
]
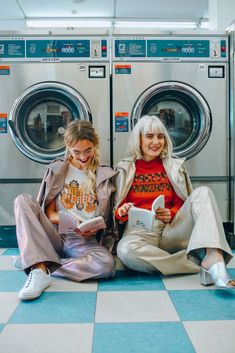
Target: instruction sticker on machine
[
  {"x": 4, "y": 70},
  {"x": 3, "y": 123},
  {"x": 123, "y": 69},
  {"x": 121, "y": 122}
]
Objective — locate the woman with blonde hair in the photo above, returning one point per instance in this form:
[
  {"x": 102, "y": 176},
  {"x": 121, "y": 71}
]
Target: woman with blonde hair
[
  {"x": 188, "y": 234},
  {"x": 76, "y": 185}
]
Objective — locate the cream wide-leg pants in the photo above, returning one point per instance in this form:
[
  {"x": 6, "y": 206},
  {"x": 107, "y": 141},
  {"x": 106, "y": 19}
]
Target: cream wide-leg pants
[
  {"x": 69, "y": 256},
  {"x": 179, "y": 246}
]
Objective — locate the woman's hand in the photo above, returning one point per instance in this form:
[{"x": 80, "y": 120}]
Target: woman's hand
[
  {"x": 123, "y": 210},
  {"x": 87, "y": 234},
  {"x": 163, "y": 215}
]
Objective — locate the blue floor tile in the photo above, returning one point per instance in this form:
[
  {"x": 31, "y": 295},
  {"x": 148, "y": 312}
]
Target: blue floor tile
[
  {"x": 12, "y": 251},
  {"x": 1, "y": 327},
  {"x": 231, "y": 272},
  {"x": 57, "y": 307},
  {"x": 208, "y": 304},
  {"x": 167, "y": 337},
  {"x": 132, "y": 281},
  {"x": 11, "y": 281}
]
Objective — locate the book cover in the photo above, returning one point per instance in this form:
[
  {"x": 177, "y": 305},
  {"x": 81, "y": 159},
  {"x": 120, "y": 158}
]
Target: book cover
[{"x": 141, "y": 218}]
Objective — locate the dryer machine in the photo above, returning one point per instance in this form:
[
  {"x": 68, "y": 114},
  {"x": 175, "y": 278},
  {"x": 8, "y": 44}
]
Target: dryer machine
[
  {"x": 231, "y": 31},
  {"x": 184, "y": 81},
  {"x": 45, "y": 83}
]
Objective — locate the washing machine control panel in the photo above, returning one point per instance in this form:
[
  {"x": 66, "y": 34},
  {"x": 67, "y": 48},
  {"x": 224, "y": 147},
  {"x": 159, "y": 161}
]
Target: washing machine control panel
[
  {"x": 54, "y": 49},
  {"x": 172, "y": 49}
]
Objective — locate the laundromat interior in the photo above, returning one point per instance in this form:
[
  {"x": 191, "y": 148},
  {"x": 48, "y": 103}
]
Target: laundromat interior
[{"x": 110, "y": 62}]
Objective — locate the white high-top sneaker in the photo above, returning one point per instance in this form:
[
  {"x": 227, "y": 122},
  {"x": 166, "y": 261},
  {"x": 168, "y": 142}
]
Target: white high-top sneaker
[{"x": 37, "y": 281}]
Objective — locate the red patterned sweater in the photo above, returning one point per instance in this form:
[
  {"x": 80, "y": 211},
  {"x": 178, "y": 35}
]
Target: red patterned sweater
[{"x": 149, "y": 182}]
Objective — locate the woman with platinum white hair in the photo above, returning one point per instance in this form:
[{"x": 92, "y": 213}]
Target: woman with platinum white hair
[{"x": 188, "y": 234}]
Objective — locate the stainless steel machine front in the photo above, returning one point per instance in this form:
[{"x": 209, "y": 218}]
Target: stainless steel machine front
[
  {"x": 231, "y": 32},
  {"x": 46, "y": 83},
  {"x": 184, "y": 80}
]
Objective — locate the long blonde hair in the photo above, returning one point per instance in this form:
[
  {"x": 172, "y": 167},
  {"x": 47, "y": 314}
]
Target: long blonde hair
[
  {"x": 83, "y": 130},
  {"x": 148, "y": 124}
]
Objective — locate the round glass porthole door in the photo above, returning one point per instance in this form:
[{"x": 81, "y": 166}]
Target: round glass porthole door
[
  {"x": 39, "y": 117},
  {"x": 183, "y": 111}
]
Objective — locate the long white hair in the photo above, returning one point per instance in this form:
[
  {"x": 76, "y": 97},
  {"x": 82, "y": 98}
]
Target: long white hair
[{"x": 148, "y": 124}]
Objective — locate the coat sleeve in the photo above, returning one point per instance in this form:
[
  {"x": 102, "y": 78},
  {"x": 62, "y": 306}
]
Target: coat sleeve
[
  {"x": 119, "y": 182},
  {"x": 187, "y": 180},
  {"x": 109, "y": 237},
  {"x": 42, "y": 189},
  {"x": 105, "y": 192}
]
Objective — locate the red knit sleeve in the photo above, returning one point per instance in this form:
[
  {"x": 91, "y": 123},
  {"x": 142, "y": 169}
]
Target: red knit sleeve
[{"x": 178, "y": 203}]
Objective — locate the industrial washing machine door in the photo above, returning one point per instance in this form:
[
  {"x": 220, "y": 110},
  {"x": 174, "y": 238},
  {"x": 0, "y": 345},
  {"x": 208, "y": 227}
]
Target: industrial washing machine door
[
  {"x": 39, "y": 116},
  {"x": 182, "y": 109}
]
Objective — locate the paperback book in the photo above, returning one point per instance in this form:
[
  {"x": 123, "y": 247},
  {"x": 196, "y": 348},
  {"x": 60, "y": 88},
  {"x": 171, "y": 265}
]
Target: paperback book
[
  {"x": 68, "y": 223},
  {"x": 141, "y": 218}
]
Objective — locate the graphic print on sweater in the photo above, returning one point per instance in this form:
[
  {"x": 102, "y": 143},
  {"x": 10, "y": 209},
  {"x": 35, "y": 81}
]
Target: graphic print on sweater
[{"x": 76, "y": 195}]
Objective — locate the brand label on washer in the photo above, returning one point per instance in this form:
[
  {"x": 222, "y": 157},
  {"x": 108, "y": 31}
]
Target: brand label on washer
[
  {"x": 46, "y": 60},
  {"x": 3, "y": 123},
  {"x": 121, "y": 122}
]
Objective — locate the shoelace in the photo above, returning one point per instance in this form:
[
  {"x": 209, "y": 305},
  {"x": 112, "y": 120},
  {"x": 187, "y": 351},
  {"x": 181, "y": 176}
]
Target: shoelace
[
  {"x": 29, "y": 279},
  {"x": 33, "y": 277}
]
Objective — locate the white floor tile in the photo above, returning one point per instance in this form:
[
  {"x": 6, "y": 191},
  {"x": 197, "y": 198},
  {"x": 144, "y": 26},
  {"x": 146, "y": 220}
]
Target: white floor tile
[
  {"x": 184, "y": 282},
  {"x": 8, "y": 304},
  {"x": 134, "y": 307},
  {"x": 65, "y": 285},
  {"x": 45, "y": 338},
  {"x": 7, "y": 263},
  {"x": 212, "y": 336}
]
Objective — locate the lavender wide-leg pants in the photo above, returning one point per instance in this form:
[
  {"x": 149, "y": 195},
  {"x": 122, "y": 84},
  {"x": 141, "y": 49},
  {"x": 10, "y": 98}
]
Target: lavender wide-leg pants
[{"x": 69, "y": 256}]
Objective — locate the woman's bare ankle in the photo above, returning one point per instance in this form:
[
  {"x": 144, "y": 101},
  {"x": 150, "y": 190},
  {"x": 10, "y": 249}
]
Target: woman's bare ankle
[
  {"x": 41, "y": 266},
  {"x": 212, "y": 257}
]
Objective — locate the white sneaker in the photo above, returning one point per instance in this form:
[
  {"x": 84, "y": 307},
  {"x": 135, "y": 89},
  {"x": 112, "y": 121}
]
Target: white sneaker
[{"x": 35, "y": 284}]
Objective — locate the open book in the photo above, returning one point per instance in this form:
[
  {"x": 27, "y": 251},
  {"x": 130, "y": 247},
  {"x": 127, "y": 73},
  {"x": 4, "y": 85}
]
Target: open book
[
  {"x": 141, "y": 218},
  {"x": 68, "y": 223}
]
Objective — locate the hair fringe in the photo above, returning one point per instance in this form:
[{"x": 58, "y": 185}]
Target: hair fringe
[
  {"x": 83, "y": 130},
  {"x": 148, "y": 123}
]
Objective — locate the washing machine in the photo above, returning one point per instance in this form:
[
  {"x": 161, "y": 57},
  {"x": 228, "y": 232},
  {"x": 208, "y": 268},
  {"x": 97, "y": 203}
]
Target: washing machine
[
  {"x": 45, "y": 83},
  {"x": 231, "y": 32},
  {"x": 183, "y": 80}
]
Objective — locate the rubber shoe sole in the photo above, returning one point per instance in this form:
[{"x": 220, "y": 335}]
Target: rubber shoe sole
[{"x": 35, "y": 295}]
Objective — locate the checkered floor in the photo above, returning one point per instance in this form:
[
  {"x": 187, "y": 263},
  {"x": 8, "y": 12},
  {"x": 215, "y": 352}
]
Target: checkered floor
[{"x": 132, "y": 313}]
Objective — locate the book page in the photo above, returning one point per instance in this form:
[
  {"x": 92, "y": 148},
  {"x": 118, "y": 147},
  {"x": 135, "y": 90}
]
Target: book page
[
  {"x": 159, "y": 202},
  {"x": 93, "y": 224}
]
